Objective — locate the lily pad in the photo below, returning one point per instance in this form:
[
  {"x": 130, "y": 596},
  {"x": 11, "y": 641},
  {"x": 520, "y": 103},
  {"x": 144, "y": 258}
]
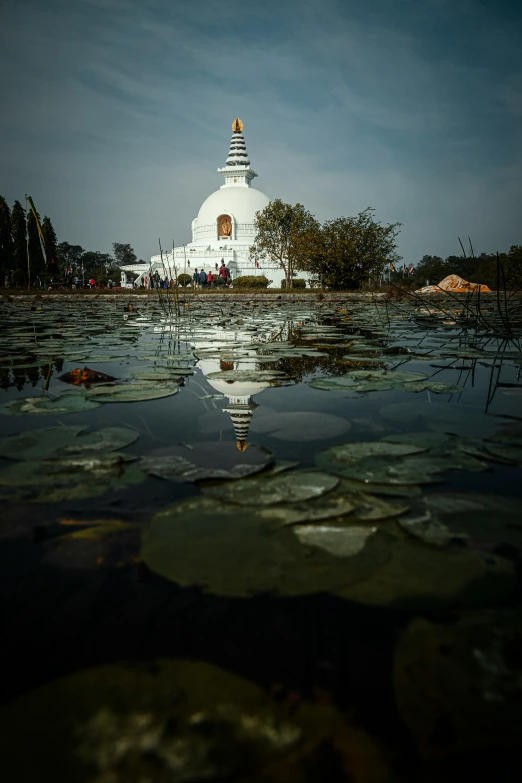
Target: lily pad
[
  {"x": 105, "y": 439},
  {"x": 230, "y": 550},
  {"x": 174, "y": 721},
  {"x": 206, "y": 461},
  {"x": 464, "y": 676},
  {"x": 291, "y": 487},
  {"x": 506, "y": 452},
  {"x": 68, "y": 402},
  {"x": 38, "y": 444},
  {"x": 132, "y": 392},
  {"x": 247, "y": 376},
  {"x": 340, "y": 541}
]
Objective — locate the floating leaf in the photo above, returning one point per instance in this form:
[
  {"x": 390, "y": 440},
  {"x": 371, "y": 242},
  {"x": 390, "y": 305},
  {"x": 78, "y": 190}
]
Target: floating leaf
[
  {"x": 68, "y": 402},
  {"x": 105, "y": 439},
  {"x": 464, "y": 676},
  {"x": 172, "y": 721},
  {"x": 38, "y": 444},
  {"x": 231, "y": 550},
  {"x": 246, "y": 376},
  {"x": 506, "y": 452},
  {"x": 340, "y": 541},
  {"x": 206, "y": 460},
  {"x": 287, "y": 488},
  {"x": 132, "y": 392}
]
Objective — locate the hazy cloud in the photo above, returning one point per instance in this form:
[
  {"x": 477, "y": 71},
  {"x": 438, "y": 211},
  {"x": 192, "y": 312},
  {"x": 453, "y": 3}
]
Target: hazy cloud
[{"x": 116, "y": 113}]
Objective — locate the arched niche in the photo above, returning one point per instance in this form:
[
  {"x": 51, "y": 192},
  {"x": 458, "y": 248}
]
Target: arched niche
[{"x": 224, "y": 227}]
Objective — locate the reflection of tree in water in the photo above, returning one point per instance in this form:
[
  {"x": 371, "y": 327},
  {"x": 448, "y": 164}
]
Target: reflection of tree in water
[
  {"x": 5, "y": 378},
  {"x": 19, "y": 378},
  {"x": 33, "y": 375},
  {"x": 300, "y": 366}
]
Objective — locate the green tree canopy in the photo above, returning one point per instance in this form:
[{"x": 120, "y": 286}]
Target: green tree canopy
[
  {"x": 124, "y": 254},
  {"x": 37, "y": 260},
  {"x": 6, "y": 242},
  {"x": 51, "y": 242},
  {"x": 96, "y": 263},
  {"x": 69, "y": 255},
  {"x": 348, "y": 250},
  {"x": 280, "y": 229},
  {"x": 18, "y": 233}
]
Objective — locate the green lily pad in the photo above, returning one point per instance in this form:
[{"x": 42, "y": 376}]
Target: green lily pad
[
  {"x": 230, "y": 550},
  {"x": 132, "y": 392},
  {"x": 174, "y": 721},
  {"x": 105, "y": 439},
  {"x": 505, "y": 451},
  {"x": 205, "y": 461},
  {"x": 337, "y": 540},
  {"x": 509, "y": 437},
  {"x": 63, "y": 471},
  {"x": 352, "y": 459},
  {"x": 38, "y": 444},
  {"x": 394, "y": 490},
  {"x": 247, "y": 376},
  {"x": 324, "y": 507},
  {"x": 287, "y": 488},
  {"x": 464, "y": 676},
  {"x": 68, "y": 402},
  {"x": 484, "y": 518},
  {"x": 424, "y": 440}
]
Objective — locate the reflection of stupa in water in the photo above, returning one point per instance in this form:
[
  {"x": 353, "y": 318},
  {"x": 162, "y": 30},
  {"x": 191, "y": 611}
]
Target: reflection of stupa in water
[{"x": 241, "y": 405}]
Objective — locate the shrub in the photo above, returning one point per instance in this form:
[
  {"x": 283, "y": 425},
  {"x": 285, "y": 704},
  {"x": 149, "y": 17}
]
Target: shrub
[
  {"x": 250, "y": 281},
  {"x": 184, "y": 279},
  {"x": 297, "y": 282}
]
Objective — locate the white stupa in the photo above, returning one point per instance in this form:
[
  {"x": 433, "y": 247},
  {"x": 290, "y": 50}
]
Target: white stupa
[{"x": 224, "y": 228}]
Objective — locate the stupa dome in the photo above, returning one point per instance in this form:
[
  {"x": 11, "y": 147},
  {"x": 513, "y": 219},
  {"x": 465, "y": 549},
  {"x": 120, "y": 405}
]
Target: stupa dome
[{"x": 240, "y": 202}]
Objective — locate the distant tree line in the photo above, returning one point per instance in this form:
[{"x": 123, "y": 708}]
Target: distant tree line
[
  {"x": 349, "y": 253},
  {"x": 21, "y": 253}
]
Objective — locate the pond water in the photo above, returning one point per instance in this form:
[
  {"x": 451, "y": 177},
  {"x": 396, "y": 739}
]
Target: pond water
[{"x": 303, "y": 518}]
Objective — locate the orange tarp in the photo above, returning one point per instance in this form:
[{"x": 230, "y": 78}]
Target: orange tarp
[{"x": 455, "y": 284}]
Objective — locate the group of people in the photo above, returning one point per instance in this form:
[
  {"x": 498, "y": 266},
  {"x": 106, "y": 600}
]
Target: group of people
[{"x": 204, "y": 279}]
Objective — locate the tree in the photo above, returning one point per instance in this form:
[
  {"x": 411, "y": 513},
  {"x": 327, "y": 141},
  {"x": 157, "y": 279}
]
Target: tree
[
  {"x": 279, "y": 235},
  {"x": 36, "y": 257},
  {"x": 18, "y": 233},
  {"x": 69, "y": 255},
  {"x": 51, "y": 244},
  {"x": 6, "y": 242},
  {"x": 124, "y": 254},
  {"x": 347, "y": 251},
  {"x": 431, "y": 270}
]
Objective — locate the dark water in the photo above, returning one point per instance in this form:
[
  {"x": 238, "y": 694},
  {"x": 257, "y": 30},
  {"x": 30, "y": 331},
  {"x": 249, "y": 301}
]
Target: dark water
[{"x": 71, "y": 604}]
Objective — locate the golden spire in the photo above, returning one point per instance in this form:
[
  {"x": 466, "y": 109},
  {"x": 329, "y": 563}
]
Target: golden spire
[
  {"x": 237, "y": 125},
  {"x": 242, "y": 445}
]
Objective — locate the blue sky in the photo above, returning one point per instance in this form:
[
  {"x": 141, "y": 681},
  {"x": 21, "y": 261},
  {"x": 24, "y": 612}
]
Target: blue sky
[{"x": 117, "y": 113}]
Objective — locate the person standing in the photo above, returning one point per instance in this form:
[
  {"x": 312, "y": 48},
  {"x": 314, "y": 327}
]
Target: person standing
[
  {"x": 223, "y": 274},
  {"x": 195, "y": 278},
  {"x": 210, "y": 279},
  {"x": 203, "y": 279}
]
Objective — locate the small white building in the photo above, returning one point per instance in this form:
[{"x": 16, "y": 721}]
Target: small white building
[{"x": 224, "y": 229}]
